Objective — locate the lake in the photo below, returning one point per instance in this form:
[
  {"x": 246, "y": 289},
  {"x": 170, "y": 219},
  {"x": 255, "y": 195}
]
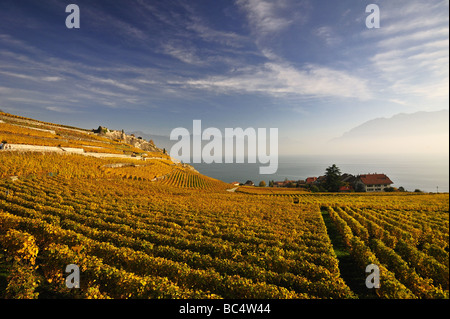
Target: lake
[{"x": 412, "y": 172}]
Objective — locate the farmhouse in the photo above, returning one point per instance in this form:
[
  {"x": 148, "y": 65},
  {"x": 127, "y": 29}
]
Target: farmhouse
[
  {"x": 278, "y": 184},
  {"x": 249, "y": 183},
  {"x": 372, "y": 182}
]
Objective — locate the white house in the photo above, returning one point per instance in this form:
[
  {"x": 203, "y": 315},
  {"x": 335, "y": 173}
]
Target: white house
[{"x": 373, "y": 182}]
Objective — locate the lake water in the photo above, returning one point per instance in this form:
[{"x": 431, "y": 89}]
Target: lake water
[{"x": 412, "y": 172}]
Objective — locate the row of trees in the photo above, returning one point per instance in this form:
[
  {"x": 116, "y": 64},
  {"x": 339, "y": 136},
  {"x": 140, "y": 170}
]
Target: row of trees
[{"x": 332, "y": 182}]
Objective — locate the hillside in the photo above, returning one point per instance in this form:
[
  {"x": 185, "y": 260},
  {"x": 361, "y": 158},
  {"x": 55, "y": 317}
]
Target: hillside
[
  {"x": 147, "y": 227},
  {"x": 19, "y": 131},
  {"x": 129, "y": 156},
  {"x": 162, "y": 141},
  {"x": 134, "y": 140}
]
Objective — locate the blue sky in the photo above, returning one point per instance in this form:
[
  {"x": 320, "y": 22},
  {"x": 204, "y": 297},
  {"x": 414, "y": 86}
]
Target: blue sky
[{"x": 312, "y": 69}]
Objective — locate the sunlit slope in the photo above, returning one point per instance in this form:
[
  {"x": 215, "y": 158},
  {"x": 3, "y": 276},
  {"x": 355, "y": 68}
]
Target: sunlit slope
[
  {"x": 24, "y": 131},
  {"x": 134, "y": 238},
  {"x": 157, "y": 229},
  {"x": 190, "y": 179}
]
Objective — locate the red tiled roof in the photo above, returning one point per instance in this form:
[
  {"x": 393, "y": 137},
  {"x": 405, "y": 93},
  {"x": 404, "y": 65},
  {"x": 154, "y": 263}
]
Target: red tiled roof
[
  {"x": 311, "y": 180},
  {"x": 375, "y": 179}
]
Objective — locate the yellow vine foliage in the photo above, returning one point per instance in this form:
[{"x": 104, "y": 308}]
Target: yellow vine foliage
[{"x": 182, "y": 235}]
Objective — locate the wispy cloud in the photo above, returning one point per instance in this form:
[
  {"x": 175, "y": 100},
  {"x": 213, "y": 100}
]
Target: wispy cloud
[
  {"x": 414, "y": 37},
  {"x": 60, "y": 109},
  {"x": 411, "y": 51},
  {"x": 328, "y": 35},
  {"x": 270, "y": 16},
  {"x": 52, "y": 78},
  {"x": 35, "y": 78},
  {"x": 20, "y": 76},
  {"x": 277, "y": 79},
  {"x": 203, "y": 31},
  {"x": 115, "y": 83},
  {"x": 182, "y": 52},
  {"x": 179, "y": 53}
]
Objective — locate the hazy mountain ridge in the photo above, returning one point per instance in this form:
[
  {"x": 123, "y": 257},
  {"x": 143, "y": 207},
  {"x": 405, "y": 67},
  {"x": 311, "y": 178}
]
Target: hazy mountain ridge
[
  {"x": 402, "y": 133},
  {"x": 404, "y": 124}
]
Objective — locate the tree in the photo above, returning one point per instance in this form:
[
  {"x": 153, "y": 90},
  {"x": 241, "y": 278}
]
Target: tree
[
  {"x": 291, "y": 184},
  {"x": 333, "y": 178},
  {"x": 359, "y": 188},
  {"x": 262, "y": 184},
  {"x": 271, "y": 183}
]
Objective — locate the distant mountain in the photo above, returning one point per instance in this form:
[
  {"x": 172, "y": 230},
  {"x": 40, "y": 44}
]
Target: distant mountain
[
  {"x": 420, "y": 123},
  {"x": 403, "y": 133}
]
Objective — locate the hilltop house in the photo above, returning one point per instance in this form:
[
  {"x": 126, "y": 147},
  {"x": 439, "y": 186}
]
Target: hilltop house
[{"x": 372, "y": 182}]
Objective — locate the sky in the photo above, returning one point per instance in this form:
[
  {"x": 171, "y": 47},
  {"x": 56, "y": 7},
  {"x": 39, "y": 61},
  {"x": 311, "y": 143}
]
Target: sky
[{"x": 312, "y": 69}]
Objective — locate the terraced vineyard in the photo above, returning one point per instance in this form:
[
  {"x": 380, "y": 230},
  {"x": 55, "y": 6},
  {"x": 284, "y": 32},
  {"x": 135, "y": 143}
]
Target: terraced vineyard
[
  {"x": 190, "y": 179},
  {"x": 182, "y": 235},
  {"x": 149, "y": 170},
  {"x": 20, "y": 130},
  {"x": 409, "y": 247},
  {"x": 45, "y": 135},
  {"x": 143, "y": 239}
]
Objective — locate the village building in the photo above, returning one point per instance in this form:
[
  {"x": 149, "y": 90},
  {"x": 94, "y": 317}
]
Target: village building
[
  {"x": 346, "y": 189},
  {"x": 348, "y": 179},
  {"x": 278, "y": 184},
  {"x": 285, "y": 183},
  {"x": 372, "y": 182},
  {"x": 321, "y": 179}
]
